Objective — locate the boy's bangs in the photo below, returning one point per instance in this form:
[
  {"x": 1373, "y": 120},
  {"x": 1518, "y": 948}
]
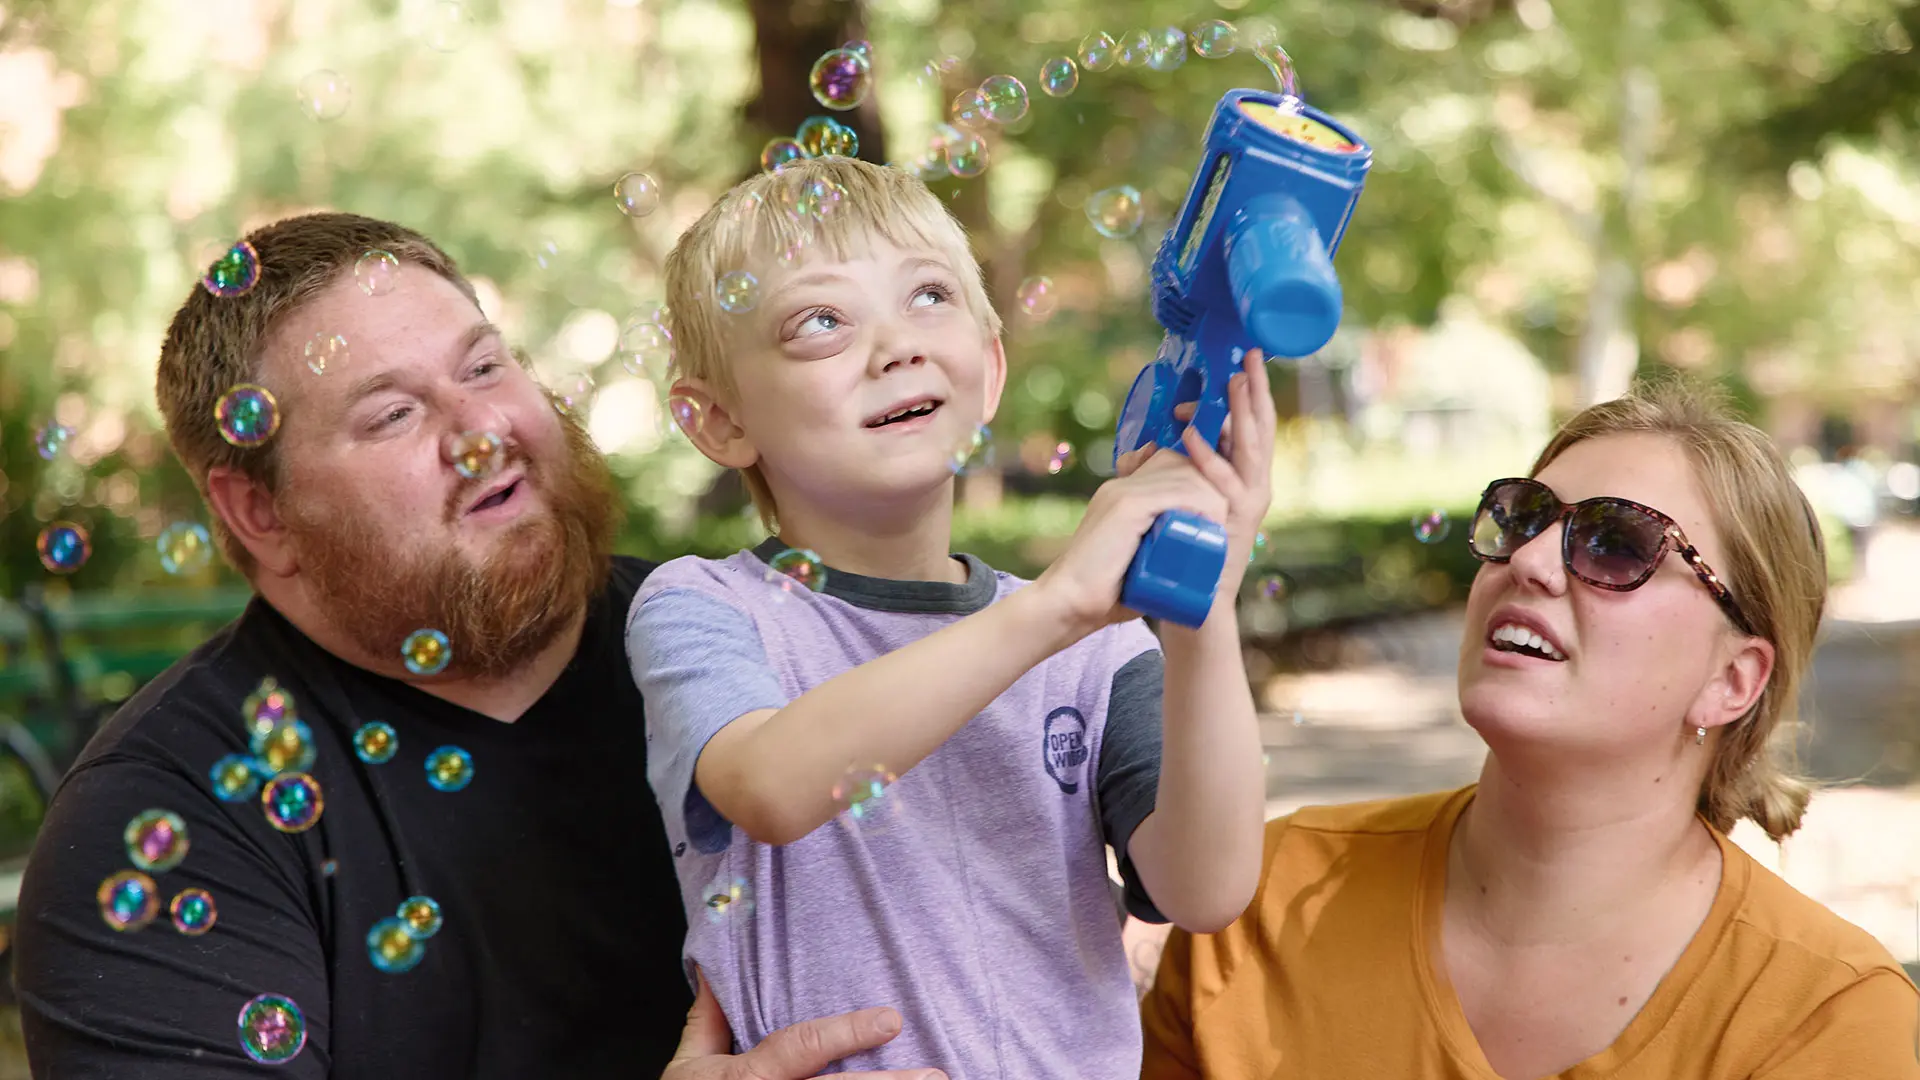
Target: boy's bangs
[{"x": 762, "y": 229}]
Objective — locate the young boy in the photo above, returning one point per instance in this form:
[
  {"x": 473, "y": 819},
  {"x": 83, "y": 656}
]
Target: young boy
[{"x": 1023, "y": 721}]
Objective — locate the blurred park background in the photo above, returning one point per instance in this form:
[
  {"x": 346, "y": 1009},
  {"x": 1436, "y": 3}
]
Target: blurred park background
[{"x": 1564, "y": 195}]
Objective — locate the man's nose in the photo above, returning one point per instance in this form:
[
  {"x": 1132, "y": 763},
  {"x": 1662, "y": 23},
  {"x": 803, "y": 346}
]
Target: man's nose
[{"x": 470, "y": 423}]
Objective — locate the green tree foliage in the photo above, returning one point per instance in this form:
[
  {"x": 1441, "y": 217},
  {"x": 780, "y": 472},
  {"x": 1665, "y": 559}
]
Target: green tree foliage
[{"x": 1731, "y": 184}]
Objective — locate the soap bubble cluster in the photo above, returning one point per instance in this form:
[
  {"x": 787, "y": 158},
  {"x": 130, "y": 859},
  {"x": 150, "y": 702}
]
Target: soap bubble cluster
[{"x": 841, "y": 79}]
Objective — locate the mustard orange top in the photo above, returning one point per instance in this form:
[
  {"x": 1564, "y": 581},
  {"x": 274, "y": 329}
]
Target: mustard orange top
[{"x": 1330, "y": 976}]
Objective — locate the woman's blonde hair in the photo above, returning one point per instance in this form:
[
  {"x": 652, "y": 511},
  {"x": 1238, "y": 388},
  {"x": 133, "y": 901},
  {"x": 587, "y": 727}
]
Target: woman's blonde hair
[
  {"x": 831, "y": 206},
  {"x": 1771, "y": 556}
]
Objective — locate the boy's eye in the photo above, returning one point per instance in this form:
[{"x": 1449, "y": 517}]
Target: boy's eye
[
  {"x": 937, "y": 292},
  {"x": 823, "y": 322}
]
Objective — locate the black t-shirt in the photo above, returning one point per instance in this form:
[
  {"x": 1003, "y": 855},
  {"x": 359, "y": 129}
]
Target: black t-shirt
[{"x": 559, "y": 953}]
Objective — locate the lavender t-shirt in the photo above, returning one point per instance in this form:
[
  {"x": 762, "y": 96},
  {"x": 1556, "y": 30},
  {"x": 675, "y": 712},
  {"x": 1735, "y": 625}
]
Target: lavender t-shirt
[{"x": 973, "y": 894}]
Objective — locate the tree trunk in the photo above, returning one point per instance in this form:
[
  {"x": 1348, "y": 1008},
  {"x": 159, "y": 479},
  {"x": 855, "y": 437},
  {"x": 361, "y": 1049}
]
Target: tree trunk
[{"x": 789, "y": 37}]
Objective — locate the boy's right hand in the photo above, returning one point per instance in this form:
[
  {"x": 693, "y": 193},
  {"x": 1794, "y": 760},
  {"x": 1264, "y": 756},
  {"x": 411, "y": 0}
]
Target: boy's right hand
[{"x": 1083, "y": 585}]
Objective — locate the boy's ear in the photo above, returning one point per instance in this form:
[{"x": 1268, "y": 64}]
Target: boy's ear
[
  {"x": 996, "y": 381},
  {"x": 703, "y": 416}
]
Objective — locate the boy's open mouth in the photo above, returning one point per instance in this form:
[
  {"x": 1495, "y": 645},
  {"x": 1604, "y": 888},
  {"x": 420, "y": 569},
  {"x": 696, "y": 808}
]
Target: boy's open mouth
[{"x": 911, "y": 410}]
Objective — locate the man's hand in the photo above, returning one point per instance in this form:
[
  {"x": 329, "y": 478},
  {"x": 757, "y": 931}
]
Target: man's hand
[{"x": 792, "y": 1053}]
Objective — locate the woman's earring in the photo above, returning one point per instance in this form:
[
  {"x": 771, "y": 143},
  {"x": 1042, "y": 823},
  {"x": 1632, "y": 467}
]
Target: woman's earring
[{"x": 1699, "y": 736}]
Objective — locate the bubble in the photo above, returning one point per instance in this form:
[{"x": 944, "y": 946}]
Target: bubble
[
  {"x": 329, "y": 867},
  {"x": 1005, "y": 98},
  {"x": 1259, "y": 546},
  {"x": 1273, "y": 586},
  {"x": 272, "y": 1031},
  {"x": 293, "y": 802},
  {"x": 1432, "y": 526},
  {"x": 325, "y": 351},
  {"x": 287, "y": 747},
  {"x": 426, "y": 652},
  {"x": 1059, "y": 76},
  {"x": 646, "y": 350},
  {"x": 861, "y": 46},
  {"x": 269, "y": 704},
  {"x": 1280, "y": 65},
  {"x": 234, "y": 273},
  {"x": 247, "y": 415},
  {"x": 636, "y": 194},
  {"x": 1298, "y": 720},
  {"x": 325, "y": 94},
  {"x": 376, "y": 272},
  {"x": 185, "y": 547},
  {"x": 969, "y": 111},
  {"x": 234, "y": 778},
  {"x": 193, "y": 912},
  {"x": 51, "y": 439},
  {"x": 685, "y": 412},
  {"x": 375, "y": 743},
  {"x": 821, "y": 136},
  {"x": 975, "y": 453},
  {"x": 546, "y": 254},
  {"x": 1036, "y": 296},
  {"x": 478, "y": 454},
  {"x": 737, "y": 291},
  {"x": 865, "y": 794},
  {"x": 1096, "y": 51},
  {"x": 421, "y": 914},
  {"x": 64, "y": 547},
  {"x": 967, "y": 156},
  {"x": 1134, "y": 48},
  {"x": 811, "y": 198},
  {"x": 1168, "y": 50},
  {"x": 727, "y": 898},
  {"x": 156, "y": 840},
  {"x": 449, "y": 768},
  {"x": 1214, "y": 39},
  {"x": 447, "y": 27},
  {"x": 797, "y": 566},
  {"x": 1061, "y": 459},
  {"x": 1115, "y": 211},
  {"x": 392, "y": 947},
  {"x": 840, "y": 79},
  {"x": 574, "y": 393},
  {"x": 128, "y": 900}
]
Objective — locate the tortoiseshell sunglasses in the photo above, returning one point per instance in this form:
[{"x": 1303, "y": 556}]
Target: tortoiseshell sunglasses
[{"x": 1608, "y": 542}]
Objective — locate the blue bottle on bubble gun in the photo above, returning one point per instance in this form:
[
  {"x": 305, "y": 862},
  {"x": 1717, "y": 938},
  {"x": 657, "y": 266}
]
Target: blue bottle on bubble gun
[{"x": 1248, "y": 263}]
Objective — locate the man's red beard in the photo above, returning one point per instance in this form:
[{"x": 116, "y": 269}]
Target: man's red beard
[{"x": 497, "y": 615}]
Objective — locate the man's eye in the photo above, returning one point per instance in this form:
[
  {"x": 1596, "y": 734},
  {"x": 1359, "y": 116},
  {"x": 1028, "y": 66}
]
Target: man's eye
[
  {"x": 391, "y": 416},
  {"x": 827, "y": 323}
]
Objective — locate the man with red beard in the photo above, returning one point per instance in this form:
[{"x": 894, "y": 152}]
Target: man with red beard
[{"x": 433, "y": 864}]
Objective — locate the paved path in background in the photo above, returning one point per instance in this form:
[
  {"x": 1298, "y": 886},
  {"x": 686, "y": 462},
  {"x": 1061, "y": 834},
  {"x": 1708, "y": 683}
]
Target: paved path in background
[{"x": 1387, "y": 723}]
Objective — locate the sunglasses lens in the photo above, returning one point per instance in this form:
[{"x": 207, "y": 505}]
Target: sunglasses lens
[
  {"x": 1613, "y": 544},
  {"x": 1510, "y": 515}
]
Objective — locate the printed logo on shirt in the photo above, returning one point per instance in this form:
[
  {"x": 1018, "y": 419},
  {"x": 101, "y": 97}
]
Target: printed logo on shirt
[{"x": 1065, "y": 751}]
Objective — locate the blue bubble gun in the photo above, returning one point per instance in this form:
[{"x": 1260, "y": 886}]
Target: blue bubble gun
[{"x": 1249, "y": 262}]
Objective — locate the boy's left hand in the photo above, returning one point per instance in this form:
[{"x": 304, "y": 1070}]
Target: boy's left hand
[{"x": 1241, "y": 470}]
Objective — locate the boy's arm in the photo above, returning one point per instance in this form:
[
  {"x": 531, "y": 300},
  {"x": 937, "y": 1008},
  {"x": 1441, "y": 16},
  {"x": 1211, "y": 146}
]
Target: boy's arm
[
  {"x": 1198, "y": 852},
  {"x": 772, "y": 771}
]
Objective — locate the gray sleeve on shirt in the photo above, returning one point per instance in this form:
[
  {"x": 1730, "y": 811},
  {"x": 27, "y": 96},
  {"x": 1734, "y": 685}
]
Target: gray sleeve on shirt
[
  {"x": 1130, "y": 767},
  {"x": 700, "y": 665}
]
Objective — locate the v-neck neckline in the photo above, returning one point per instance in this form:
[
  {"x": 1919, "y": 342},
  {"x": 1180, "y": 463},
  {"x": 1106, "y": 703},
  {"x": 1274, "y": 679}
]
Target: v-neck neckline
[{"x": 1450, "y": 1019}]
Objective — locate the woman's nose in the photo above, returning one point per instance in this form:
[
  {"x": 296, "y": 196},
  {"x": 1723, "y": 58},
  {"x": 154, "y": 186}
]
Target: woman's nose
[{"x": 1539, "y": 561}]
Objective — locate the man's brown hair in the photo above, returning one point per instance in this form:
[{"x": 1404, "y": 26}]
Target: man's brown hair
[{"x": 216, "y": 343}]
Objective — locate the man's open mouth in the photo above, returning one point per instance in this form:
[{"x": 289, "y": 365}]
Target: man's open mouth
[{"x": 498, "y": 498}]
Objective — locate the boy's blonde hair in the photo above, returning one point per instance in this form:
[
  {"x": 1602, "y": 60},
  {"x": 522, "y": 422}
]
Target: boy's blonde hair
[{"x": 834, "y": 207}]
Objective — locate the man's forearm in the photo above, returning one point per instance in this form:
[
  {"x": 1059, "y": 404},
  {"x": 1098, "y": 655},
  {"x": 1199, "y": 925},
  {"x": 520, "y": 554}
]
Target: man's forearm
[
  {"x": 891, "y": 711},
  {"x": 1198, "y": 853}
]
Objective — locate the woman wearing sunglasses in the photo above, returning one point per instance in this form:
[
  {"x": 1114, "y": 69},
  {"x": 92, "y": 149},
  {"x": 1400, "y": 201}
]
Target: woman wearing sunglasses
[{"x": 1635, "y": 638}]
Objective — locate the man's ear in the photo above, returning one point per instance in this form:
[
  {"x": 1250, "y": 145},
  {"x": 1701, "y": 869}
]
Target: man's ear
[
  {"x": 996, "y": 381},
  {"x": 696, "y": 409},
  {"x": 246, "y": 507}
]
